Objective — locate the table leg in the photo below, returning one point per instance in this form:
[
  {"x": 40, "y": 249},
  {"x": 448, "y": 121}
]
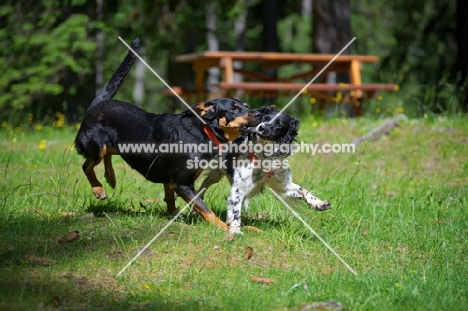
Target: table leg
[
  {"x": 355, "y": 76},
  {"x": 323, "y": 100},
  {"x": 228, "y": 72},
  {"x": 227, "y": 65},
  {"x": 199, "y": 82}
]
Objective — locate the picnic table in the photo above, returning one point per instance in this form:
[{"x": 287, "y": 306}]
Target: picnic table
[{"x": 259, "y": 84}]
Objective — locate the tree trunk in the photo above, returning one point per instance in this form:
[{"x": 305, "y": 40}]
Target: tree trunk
[
  {"x": 99, "y": 49},
  {"x": 331, "y": 26},
  {"x": 331, "y": 31},
  {"x": 181, "y": 74},
  {"x": 270, "y": 34},
  {"x": 462, "y": 54},
  {"x": 239, "y": 31},
  {"x": 213, "y": 44},
  {"x": 306, "y": 8},
  {"x": 139, "y": 86}
]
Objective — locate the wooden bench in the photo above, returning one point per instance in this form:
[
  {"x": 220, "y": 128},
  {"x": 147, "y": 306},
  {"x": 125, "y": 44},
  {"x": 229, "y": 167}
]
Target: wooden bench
[{"x": 265, "y": 86}]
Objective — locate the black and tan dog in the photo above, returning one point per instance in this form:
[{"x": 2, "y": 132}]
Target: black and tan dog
[{"x": 109, "y": 123}]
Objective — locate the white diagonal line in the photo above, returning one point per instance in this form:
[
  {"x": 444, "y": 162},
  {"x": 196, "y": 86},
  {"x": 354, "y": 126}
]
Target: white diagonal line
[
  {"x": 313, "y": 79},
  {"x": 313, "y": 231},
  {"x": 160, "y": 232},
  {"x": 162, "y": 80}
]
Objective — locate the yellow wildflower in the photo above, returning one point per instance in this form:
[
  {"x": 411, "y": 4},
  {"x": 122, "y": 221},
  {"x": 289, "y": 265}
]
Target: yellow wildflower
[
  {"x": 60, "y": 120},
  {"x": 42, "y": 144}
]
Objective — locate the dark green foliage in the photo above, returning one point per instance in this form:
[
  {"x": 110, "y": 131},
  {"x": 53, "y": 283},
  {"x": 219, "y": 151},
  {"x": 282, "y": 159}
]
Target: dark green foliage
[
  {"x": 48, "y": 56},
  {"x": 44, "y": 44}
]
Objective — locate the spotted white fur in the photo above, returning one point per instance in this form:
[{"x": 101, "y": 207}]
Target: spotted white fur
[{"x": 247, "y": 181}]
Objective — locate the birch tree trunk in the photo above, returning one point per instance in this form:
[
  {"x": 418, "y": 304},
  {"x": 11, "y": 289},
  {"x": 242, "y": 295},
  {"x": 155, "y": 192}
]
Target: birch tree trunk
[
  {"x": 213, "y": 44},
  {"x": 270, "y": 35},
  {"x": 139, "y": 86},
  {"x": 306, "y": 8},
  {"x": 239, "y": 30}
]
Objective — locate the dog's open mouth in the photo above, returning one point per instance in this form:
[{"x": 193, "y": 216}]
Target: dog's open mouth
[
  {"x": 248, "y": 129},
  {"x": 261, "y": 131}
]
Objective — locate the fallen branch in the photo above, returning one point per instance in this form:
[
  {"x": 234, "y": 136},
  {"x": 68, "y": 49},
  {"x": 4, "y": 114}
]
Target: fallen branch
[{"x": 383, "y": 129}]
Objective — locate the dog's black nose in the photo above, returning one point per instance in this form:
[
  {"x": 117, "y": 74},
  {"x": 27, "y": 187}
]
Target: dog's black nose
[{"x": 261, "y": 128}]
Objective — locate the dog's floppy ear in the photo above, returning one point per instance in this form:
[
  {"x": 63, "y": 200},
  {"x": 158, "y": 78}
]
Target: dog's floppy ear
[
  {"x": 290, "y": 135},
  {"x": 207, "y": 110}
]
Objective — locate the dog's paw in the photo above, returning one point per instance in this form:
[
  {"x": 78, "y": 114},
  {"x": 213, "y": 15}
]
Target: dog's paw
[
  {"x": 99, "y": 193},
  {"x": 234, "y": 228},
  {"x": 321, "y": 207}
]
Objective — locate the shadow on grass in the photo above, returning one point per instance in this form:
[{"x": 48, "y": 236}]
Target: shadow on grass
[
  {"x": 70, "y": 292},
  {"x": 189, "y": 217},
  {"x": 39, "y": 273}
]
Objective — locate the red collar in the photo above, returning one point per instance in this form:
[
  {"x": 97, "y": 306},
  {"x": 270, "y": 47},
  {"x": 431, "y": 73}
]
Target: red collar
[
  {"x": 253, "y": 158},
  {"x": 209, "y": 132}
]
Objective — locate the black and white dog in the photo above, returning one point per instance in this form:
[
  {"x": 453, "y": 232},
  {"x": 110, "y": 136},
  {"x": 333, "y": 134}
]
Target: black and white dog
[{"x": 250, "y": 172}]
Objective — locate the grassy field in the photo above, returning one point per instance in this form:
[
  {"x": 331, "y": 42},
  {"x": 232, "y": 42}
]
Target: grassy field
[{"x": 399, "y": 218}]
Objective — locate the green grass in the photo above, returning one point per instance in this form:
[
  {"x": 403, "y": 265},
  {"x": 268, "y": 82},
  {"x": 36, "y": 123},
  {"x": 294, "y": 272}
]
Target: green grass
[{"x": 398, "y": 218}]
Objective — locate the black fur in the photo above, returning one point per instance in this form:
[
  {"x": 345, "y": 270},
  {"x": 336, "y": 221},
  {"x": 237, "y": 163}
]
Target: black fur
[
  {"x": 114, "y": 122},
  {"x": 112, "y": 86},
  {"x": 283, "y": 130},
  {"x": 109, "y": 122}
]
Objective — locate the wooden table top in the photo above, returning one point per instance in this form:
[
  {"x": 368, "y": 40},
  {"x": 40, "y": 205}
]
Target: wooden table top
[{"x": 263, "y": 57}]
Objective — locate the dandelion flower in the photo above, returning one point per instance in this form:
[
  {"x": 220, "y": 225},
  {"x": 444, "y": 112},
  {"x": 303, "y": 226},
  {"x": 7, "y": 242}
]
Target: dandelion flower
[{"x": 42, "y": 144}]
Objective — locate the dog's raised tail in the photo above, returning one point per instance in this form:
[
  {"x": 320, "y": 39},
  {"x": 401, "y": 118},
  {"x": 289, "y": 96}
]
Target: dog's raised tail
[{"x": 113, "y": 84}]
